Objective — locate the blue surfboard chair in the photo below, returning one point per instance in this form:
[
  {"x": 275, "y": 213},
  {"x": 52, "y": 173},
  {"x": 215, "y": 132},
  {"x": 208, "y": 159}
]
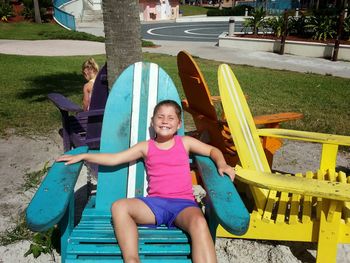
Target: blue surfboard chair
[{"x": 127, "y": 121}]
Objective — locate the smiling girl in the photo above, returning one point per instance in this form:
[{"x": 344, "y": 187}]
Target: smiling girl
[{"x": 170, "y": 199}]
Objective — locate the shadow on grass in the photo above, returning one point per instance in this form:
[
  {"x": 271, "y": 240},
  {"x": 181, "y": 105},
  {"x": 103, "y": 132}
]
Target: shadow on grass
[{"x": 39, "y": 87}]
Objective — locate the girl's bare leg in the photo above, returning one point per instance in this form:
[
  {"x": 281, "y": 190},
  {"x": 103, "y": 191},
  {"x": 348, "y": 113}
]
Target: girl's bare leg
[
  {"x": 192, "y": 220},
  {"x": 126, "y": 214}
]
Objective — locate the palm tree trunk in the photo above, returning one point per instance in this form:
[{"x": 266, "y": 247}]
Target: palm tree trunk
[
  {"x": 123, "y": 35},
  {"x": 37, "y": 11}
]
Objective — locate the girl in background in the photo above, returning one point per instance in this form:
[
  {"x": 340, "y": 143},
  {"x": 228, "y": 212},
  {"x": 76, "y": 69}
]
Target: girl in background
[{"x": 89, "y": 70}]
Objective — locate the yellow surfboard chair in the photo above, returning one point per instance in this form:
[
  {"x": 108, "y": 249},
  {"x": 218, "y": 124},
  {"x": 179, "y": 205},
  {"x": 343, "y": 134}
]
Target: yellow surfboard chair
[
  {"x": 200, "y": 104},
  {"x": 308, "y": 207}
]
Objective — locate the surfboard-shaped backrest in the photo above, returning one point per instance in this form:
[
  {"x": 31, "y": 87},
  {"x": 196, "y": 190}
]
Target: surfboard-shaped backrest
[
  {"x": 126, "y": 122},
  {"x": 195, "y": 86},
  {"x": 243, "y": 130}
]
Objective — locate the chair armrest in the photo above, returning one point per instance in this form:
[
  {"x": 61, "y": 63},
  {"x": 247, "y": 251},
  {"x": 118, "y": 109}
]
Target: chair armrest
[
  {"x": 90, "y": 113},
  {"x": 273, "y": 119},
  {"x": 306, "y": 136},
  {"x": 63, "y": 103},
  {"x": 216, "y": 99},
  {"x": 51, "y": 200},
  {"x": 294, "y": 184},
  {"x": 223, "y": 197}
]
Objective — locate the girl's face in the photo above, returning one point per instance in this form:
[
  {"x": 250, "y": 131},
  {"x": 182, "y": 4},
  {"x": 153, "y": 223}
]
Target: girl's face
[
  {"x": 166, "y": 122},
  {"x": 89, "y": 74}
]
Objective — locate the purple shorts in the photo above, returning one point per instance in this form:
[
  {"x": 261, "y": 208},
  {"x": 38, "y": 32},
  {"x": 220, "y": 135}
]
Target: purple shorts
[{"x": 167, "y": 209}]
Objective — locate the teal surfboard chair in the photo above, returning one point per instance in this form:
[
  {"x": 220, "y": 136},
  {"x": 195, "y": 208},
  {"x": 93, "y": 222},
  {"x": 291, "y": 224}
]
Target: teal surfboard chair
[{"x": 127, "y": 121}]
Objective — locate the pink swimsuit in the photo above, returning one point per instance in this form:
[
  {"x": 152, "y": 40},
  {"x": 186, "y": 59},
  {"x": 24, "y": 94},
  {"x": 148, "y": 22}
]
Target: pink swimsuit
[{"x": 169, "y": 171}]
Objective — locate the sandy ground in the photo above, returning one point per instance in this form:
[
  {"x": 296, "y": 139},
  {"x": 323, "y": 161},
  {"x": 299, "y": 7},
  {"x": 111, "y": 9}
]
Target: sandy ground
[{"x": 19, "y": 155}]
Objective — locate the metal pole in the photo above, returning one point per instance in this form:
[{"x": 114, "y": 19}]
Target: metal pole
[
  {"x": 231, "y": 27},
  {"x": 296, "y": 12},
  {"x": 246, "y": 12}
]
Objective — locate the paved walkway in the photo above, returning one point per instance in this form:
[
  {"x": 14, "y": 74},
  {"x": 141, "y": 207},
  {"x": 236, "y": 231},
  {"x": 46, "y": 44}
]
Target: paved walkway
[
  {"x": 51, "y": 47},
  {"x": 206, "y": 50},
  {"x": 254, "y": 58}
]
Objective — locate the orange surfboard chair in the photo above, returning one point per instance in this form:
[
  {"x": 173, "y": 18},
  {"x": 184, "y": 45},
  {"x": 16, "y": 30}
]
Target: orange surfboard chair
[{"x": 211, "y": 129}]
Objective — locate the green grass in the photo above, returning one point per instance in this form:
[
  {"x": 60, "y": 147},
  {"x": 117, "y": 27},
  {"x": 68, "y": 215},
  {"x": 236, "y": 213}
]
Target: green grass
[
  {"x": 19, "y": 232},
  {"x": 43, "y": 242},
  {"x": 33, "y": 31},
  {"x": 27, "y": 80},
  {"x": 191, "y": 10},
  {"x": 25, "y": 85},
  {"x": 45, "y": 31},
  {"x": 33, "y": 179}
]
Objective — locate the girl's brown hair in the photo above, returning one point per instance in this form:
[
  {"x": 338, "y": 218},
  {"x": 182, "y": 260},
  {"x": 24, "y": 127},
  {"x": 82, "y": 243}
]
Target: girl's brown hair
[{"x": 168, "y": 103}]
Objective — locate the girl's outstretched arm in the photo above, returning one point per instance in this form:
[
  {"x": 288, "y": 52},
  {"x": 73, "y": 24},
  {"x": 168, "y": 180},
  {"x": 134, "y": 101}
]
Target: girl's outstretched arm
[
  {"x": 195, "y": 146},
  {"x": 109, "y": 159}
]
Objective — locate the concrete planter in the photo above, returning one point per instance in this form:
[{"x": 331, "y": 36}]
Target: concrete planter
[{"x": 299, "y": 48}]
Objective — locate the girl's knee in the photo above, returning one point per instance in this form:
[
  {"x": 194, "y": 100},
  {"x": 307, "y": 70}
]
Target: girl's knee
[
  {"x": 198, "y": 224},
  {"x": 201, "y": 223},
  {"x": 119, "y": 206}
]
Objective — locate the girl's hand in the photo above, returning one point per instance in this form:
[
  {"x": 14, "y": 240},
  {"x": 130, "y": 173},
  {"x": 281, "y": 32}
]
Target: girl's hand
[
  {"x": 70, "y": 159},
  {"x": 226, "y": 169}
]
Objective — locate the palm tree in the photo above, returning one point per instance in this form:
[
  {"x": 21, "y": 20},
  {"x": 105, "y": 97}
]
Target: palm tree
[
  {"x": 37, "y": 11},
  {"x": 123, "y": 35},
  {"x": 256, "y": 21}
]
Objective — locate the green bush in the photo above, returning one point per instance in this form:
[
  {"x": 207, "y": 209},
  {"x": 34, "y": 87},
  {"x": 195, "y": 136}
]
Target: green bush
[
  {"x": 218, "y": 12},
  {"x": 5, "y": 11},
  {"x": 29, "y": 13},
  {"x": 322, "y": 27},
  {"x": 44, "y": 243},
  {"x": 332, "y": 11},
  {"x": 45, "y": 3},
  {"x": 297, "y": 26},
  {"x": 235, "y": 11},
  {"x": 256, "y": 21},
  {"x": 73, "y": 35},
  {"x": 240, "y": 10},
  {"x": 42, "y": 3},
  {"x": 28, "y": 3},
  {"x": 277, "y": 24}
]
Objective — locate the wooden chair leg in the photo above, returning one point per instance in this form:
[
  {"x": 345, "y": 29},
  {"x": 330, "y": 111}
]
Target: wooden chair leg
[
  {"x": 66, "y": 226},
  {"x": 328, "y": 232}
]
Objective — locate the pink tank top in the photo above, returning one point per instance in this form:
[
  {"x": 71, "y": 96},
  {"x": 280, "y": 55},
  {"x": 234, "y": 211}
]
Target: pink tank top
[{"x": 169, "y": 171}]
